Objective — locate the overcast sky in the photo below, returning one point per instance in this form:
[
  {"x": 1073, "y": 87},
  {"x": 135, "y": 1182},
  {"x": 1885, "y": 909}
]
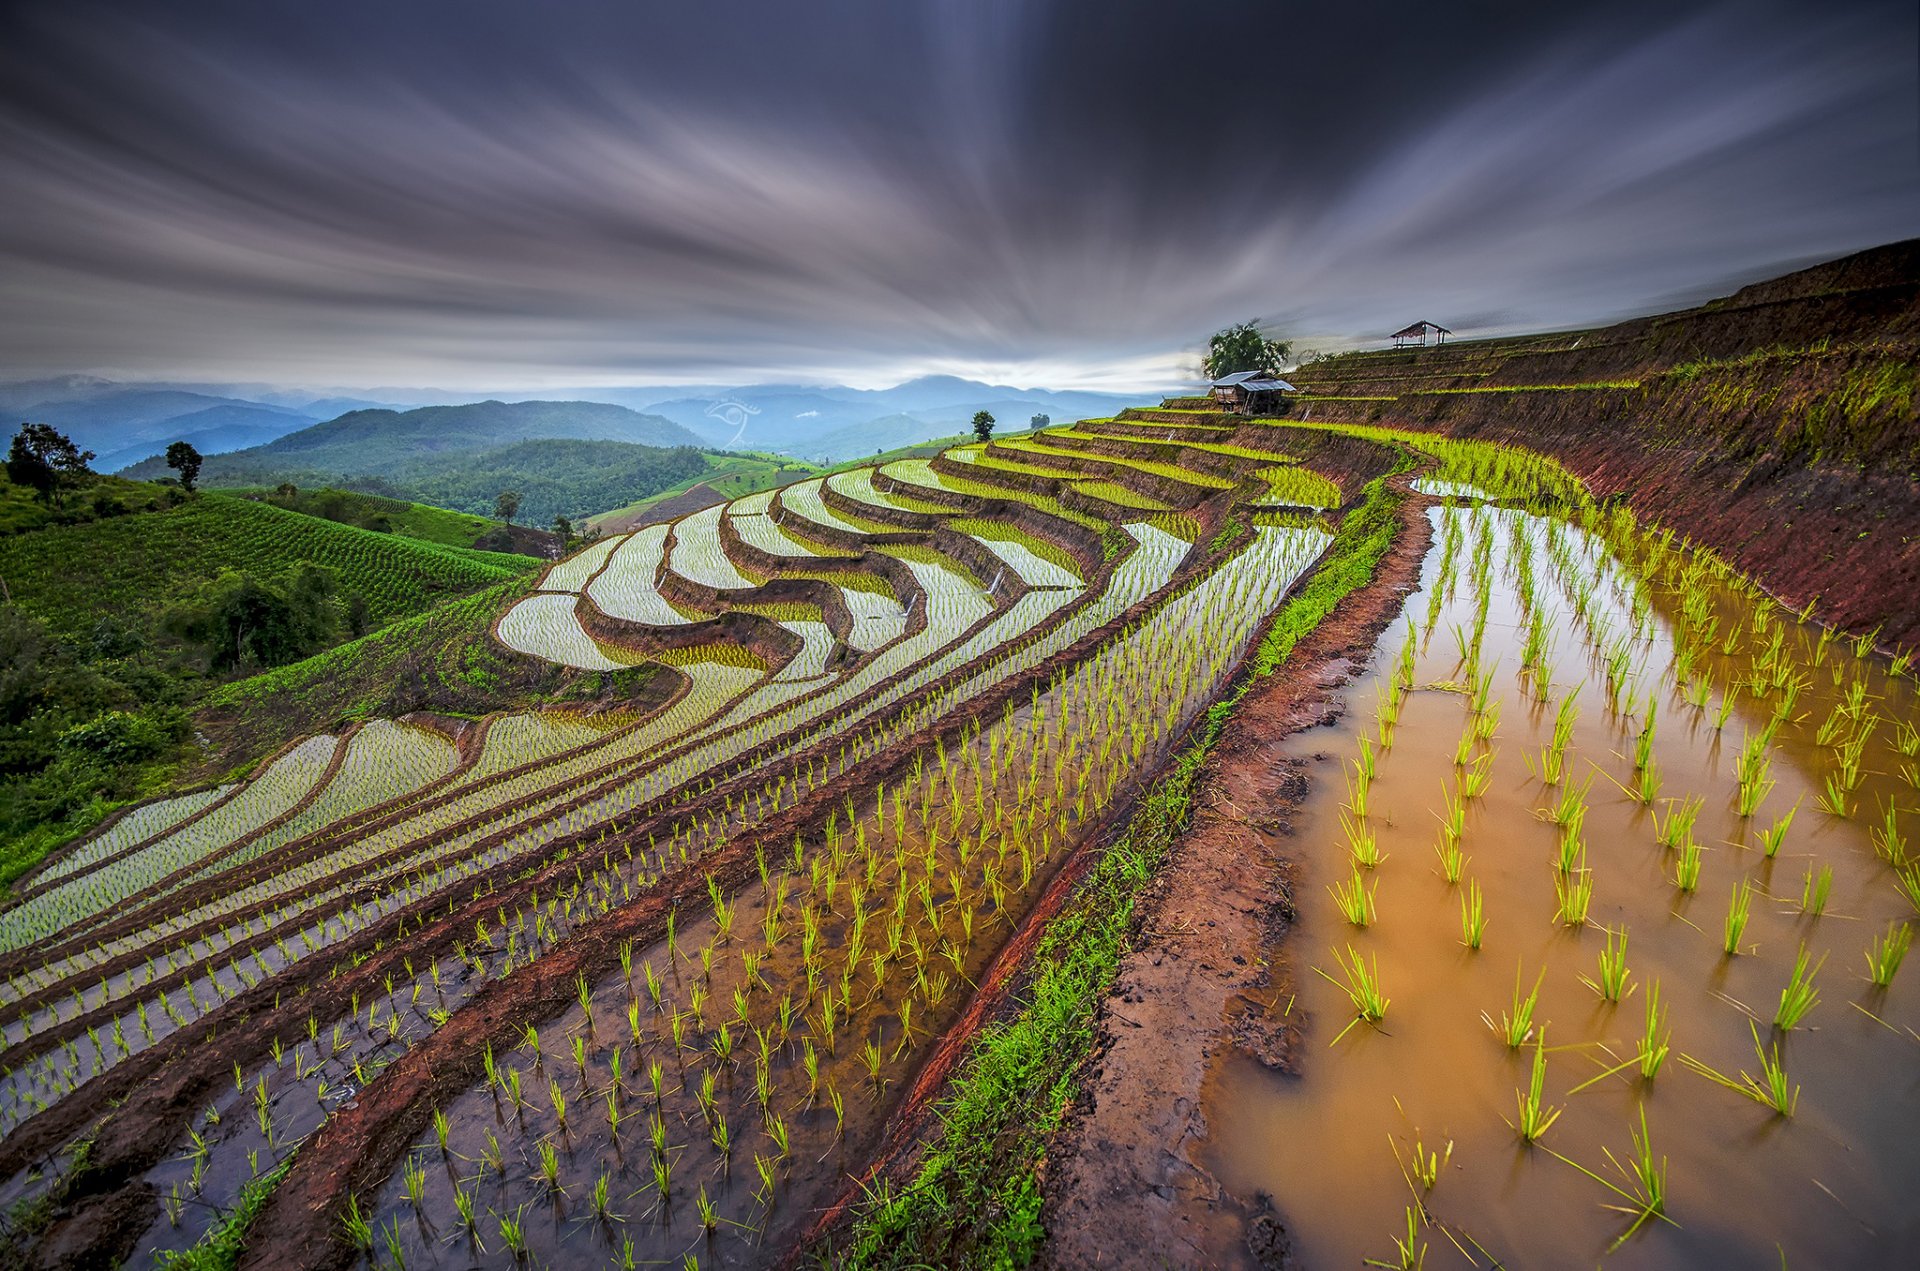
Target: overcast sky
[{"x": 503, "y": 193}]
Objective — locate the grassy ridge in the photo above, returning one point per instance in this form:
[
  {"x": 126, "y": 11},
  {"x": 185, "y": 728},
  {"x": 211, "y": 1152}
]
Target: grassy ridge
[
  {"x": 975, "y": 1201},
  {"x": 134, "y": 566},
  {"x": 420, "y": 521}
]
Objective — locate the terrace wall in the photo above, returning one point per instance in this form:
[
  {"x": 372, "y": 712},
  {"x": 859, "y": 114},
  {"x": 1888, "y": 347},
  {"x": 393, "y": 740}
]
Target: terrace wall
[{"x": 1779, "y": 426}]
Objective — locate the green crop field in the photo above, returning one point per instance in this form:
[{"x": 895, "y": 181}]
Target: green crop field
[
  {"x": 602, "y": 911},
  {"x": 71, "y": 576}
]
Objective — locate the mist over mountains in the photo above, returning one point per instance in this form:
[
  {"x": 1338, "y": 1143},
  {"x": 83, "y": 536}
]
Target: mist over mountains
[{"x": 126, "y": 422}]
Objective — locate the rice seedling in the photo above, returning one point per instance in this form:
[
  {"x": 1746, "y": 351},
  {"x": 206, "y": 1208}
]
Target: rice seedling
[
  {"x": 1362, "y": 844},
  {"x": 1686, "y": 867},
  {"x": 1410, "y": 1251},
  {"x": 1361, "y": 984},
  {"x": 1573, "y": 896},
  {"x": 1648, "y": 1180},
  {"x": 1815, "y": 889},
  {"x": 1476, "y": 781},
  {"x": 1739, "y": 906},
  {"x": 1800, "y": 994},
  {"x": 1885, "y": 954},
  {"x": 1676, "y": 827},
  {"x": 1774, "y": 835},
  {"x": 1516, "y": 1023},
  {"x": 1834, "y": 798},
  {"x": 1906, "y": 876},
  {"x": 1473, "y": 917},
  {"x": 1770, "y": 1089},
  {"x": 1751, "y": 771},
  {"x": 1355, "y": 899},
  {"x": 1889, "y": 844},
  {"x": 1536, "y": 1117},
  {"x": 1611, "y": 983},
  {"x": 1655, "y": 1038}
]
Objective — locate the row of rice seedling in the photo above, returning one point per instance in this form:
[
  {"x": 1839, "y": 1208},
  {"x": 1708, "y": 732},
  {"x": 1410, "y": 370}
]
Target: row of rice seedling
[
  {"x": 816, "y": 643},
  {"x": 627, "y": 586},
  {"x": 857, "y": 484},
  {"x": 1641, "y": 809},
  {"x": 1037, "y": 562},
  {"x": 271, "y": 793},
  {"x": 804, "y": 500},
  {"x": 1169, "y": 471},
  {"x": 1296, "y": 486},
  {"x": 572, "y": 573},
  {"x": 513, "y": 740},
  {"x": 551, "y": 814},
  {"x": 699, "y": 555},
  {"x": 769, "y": 535},
  {"x": 919, "y": 472},
  {"x": 545, "y": 626},
  {"x": 135, "y": 826},
  {"x": 823, "y": 1033}
]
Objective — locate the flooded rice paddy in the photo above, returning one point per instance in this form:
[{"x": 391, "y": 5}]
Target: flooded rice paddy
[{"x": 1610, "y": 881}]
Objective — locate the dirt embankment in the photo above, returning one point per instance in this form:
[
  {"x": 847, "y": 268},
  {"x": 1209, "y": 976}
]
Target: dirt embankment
[
  {"x": 1779, "y": 426},
  {"x": 1123, "y": 1184}
]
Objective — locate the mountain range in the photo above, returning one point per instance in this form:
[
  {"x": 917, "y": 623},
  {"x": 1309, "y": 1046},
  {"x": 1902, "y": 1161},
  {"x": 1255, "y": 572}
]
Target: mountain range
[{"x": 125, "y": 422}]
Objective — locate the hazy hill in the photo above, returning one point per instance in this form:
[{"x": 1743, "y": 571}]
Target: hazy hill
[
  {"x": 371, "y": 437},
  {"x": 564, "y": 458},
  {"x": 124, "y": 423},
  {"x": 837, "y": 423}
]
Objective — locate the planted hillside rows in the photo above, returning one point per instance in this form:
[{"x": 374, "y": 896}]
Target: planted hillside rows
[
  {"x": 951, "y": 624},
  {"x": 786, "y": 982},
  {"x": 1623, "y": 853},
  {"x": 260, "y": 910}
]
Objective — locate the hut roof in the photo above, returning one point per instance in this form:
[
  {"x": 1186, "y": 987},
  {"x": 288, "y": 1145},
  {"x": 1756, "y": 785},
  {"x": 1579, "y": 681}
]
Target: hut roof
[
  {"x": 1419, "y": 328},
  {"x": 1253, "y": 381}
]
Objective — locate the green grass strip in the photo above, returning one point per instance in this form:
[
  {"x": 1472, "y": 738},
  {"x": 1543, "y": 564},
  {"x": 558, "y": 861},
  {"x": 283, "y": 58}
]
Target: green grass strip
[
  {"x": 219, "y": 1249},
  {"x": 975, "y": 1201}
]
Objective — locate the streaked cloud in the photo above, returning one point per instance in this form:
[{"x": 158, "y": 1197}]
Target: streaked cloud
[{"x": 491, "y": 193}]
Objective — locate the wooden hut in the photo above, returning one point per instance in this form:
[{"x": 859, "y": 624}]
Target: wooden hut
[
  {"x": 1251, "y": 392},
  {"x": 1418, "y": 333}
]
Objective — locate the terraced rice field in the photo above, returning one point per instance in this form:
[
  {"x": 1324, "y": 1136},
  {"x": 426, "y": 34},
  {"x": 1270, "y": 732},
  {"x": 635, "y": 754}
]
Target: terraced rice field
[{"x": 563, "y": 989}]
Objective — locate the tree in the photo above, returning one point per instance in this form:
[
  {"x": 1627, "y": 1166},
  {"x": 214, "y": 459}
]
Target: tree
[
  {"x": 564, "y": 528},
  {"x": 184, "y": 459},
  {"x": 983, "y": 425},
  {"x": 1243, "y": 348},
  {"x": 507, "y": 505},
  {"x": 244, "y": 620},
  {"x": 1039, "y": 421},
  {"x": 46, "y": 461}
]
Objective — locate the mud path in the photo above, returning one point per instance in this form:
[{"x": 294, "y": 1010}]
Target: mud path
[{"x": 1124, "y": 1186}]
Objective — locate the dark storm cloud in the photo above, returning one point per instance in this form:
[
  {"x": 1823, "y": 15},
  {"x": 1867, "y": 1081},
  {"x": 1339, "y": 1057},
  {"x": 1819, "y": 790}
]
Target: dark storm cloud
[{"x": 509, "y": 192}]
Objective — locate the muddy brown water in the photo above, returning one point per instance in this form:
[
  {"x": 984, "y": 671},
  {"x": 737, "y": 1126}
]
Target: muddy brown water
[{"x": 1832, "y": 1186}]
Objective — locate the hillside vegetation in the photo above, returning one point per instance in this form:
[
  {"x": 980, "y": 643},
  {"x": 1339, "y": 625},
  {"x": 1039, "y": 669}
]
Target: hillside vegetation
[
  {"x": 563, "y": 458},
  {"x": 408, "y": 520},
  {"x": 135, "y": 566},
  {"x": 126, "y": 605}
]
